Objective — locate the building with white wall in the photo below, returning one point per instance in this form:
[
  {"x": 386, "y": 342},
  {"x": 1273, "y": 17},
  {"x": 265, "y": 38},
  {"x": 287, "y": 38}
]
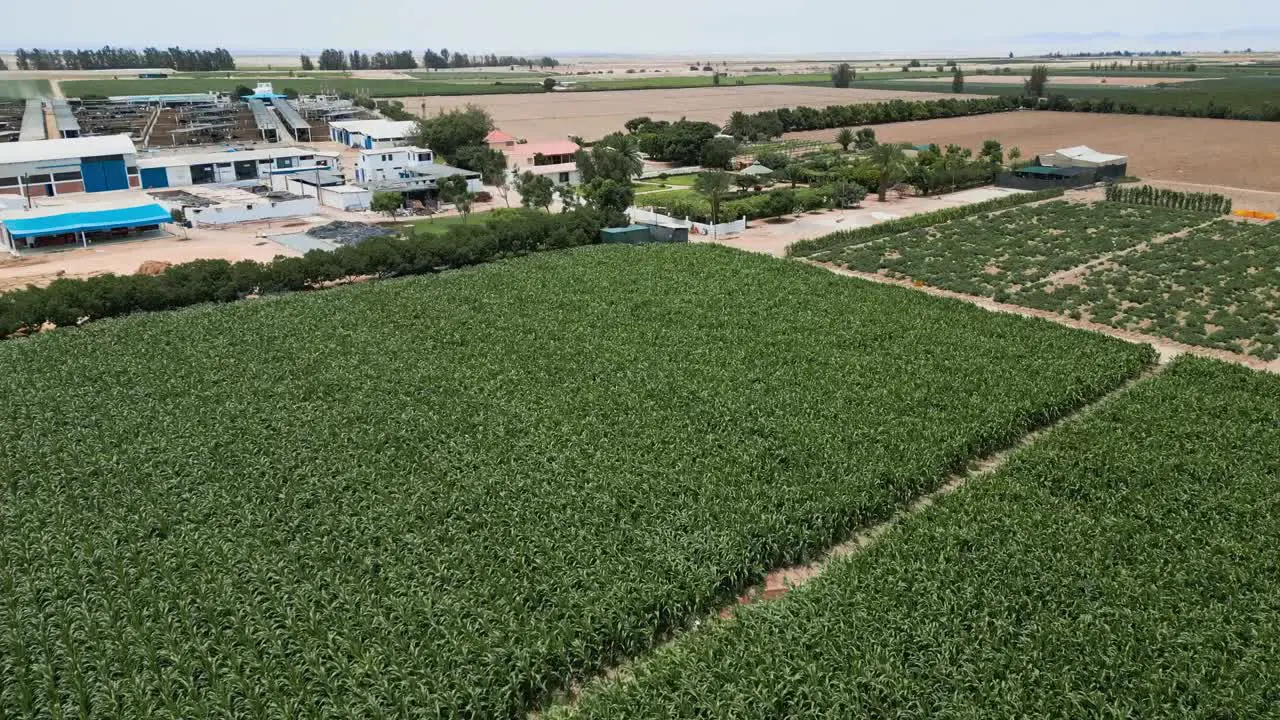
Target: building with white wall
[
  {"x": 47, "y": 168},
  {"x": 229, "y": 205},
  {"x": 551, "y": 159},
  {"x": 390, "y": 163},
  {"x": 373, "y": 134},
  {"x": 229, "y": 167}
]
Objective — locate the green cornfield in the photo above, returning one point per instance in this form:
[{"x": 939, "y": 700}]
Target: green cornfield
[
  {"x": 1123, "y": 565},
  {"x": 452, "y": 496}
]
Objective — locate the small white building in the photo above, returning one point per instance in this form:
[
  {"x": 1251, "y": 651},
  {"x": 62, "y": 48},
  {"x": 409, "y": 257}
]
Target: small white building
[
  {"x": 331, "y": 190},
  {"x": 181, "y": 170},
  {"x": 229, "y": 205},
  {"x": 373, "y": 134},
  {"x": 390, "y": 163}
]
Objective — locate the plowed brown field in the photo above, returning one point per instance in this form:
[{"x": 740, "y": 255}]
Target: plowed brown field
[
  {"x": 1229, "y": 153},
  {"x": 592, "y": 115}
]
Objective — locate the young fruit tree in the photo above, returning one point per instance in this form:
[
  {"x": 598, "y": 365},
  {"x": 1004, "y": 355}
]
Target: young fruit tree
[
  {"x": 387, "y": 202},
  {"x": 845, "y": 138}
]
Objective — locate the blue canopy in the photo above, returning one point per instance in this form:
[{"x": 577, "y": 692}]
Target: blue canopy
[
  {"x": 264, "y": 96},
  {"x": 76, "y": 222}
]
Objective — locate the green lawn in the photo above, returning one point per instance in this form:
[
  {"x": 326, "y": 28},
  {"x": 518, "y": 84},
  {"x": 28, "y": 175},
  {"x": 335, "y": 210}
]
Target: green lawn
[
  {"x": 1123, "y": 565},
  {"x": 449, "y": 496},
  {"x": 21, "y": 89}
]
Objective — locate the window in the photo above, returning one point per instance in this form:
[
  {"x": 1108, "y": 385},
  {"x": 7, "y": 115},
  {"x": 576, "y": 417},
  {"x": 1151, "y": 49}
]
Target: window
[
  {"x": 224, "y": 165},
  {"x": 38, "y": 179},
  {"x": 8, "y": 182},
  {"x": 424, "y": 157},
  {"x": 386, "y": 158},
  {"x": 66, "y": 176},
  {"x": 564, "y": 177}
]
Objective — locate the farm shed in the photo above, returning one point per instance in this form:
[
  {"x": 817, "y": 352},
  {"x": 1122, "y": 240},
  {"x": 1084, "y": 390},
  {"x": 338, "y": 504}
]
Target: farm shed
[
  {"x": 1082, "y": 156},
  {"x": 372, "y": 134},
  {"x": 28, "y": 230},
  {"x": 45, "y": 168},
  {"x": 1039, "y": 177},
  {"x": 228, "y": 166}
]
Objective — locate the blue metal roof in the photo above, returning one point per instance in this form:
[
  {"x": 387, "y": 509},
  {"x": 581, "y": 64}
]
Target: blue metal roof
[{"x": 139, "y": 216}]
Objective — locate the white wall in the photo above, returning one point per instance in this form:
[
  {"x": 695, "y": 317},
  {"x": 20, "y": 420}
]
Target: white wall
[
  {"x": 179, "y": 175},
  {"x": 372, "y": 166},
  {"x": 346, "y": 200},
  {"x": 252, "y": 211}
]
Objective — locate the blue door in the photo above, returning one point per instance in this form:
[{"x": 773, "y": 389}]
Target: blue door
[
  {"x": 154, "y": 178},
  {"x": 368, "y": 143},
  {"x": 104, "y": 173}
]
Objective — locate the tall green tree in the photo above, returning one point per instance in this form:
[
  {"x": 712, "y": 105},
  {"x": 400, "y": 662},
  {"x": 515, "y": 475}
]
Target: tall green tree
[
  {"x": 843, "y": 75},
  {"x": 536, "y": 191},
  {"x": 719, "y": 153},
  {"x": 449, "y": 131},
  {"x": 615, "y": 157},
  {"x": 714, "y": 186},
  {"x": 489, "y": 162},
  {"x": 306, "y": 62},
  {"x": 845, "y": 138},
  {"x": 387, "y": 202},
  {"x": 957, "y": 80},
  {"x": 890, "y": 163},
  {"x": 992, "y": 151},
  {"x": 1038, "y": 80},
  {"x": 453, "y": 189}
]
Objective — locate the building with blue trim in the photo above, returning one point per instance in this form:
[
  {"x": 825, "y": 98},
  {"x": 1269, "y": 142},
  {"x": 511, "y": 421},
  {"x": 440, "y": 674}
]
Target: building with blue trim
[{"x": 47, "y": 168}]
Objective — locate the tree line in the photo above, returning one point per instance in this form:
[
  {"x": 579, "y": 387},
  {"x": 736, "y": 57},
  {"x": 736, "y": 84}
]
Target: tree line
[
  {"x": 1157, "y": 197},
  {"x": 333, "y": 59},
  {"x": 110, "y": 58}
]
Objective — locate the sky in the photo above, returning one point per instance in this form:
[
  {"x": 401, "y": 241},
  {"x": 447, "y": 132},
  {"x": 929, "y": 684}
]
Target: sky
[{"x": 565, "y": 27}]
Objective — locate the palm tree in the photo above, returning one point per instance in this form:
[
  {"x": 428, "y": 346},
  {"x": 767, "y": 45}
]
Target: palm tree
[
  {"x": 845, "y": 138},
  {"x": 714, "y": 186},
  {"x": 891, "y": 163}
]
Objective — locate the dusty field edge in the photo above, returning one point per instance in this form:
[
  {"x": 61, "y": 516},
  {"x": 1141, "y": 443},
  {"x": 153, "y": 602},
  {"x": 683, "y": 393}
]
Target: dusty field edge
[
  {"x": 782, "y": 580},
  {"x": 1168, "y": 349}
]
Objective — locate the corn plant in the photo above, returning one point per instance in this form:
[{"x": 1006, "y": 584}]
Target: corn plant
[
  {"x": 1159, "y": 197},
  {"x": 451, "y": 496},
  {"x": 1123, "y": 565}
]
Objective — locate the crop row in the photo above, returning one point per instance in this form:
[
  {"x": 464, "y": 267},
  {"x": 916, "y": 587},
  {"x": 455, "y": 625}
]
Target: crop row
[
  {"x": 1159, "y": 197},
  {"x": 824, "y": 247},
  {"x": 450, "y": 496},
  {"x": 997, "y": 254},
  {"x": 1123, "y": 565},
  {"x": 1219, "y": 287}
]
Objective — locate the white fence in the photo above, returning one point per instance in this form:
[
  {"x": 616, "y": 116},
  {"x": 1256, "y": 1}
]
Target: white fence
[{"x": 649, "y": 217}]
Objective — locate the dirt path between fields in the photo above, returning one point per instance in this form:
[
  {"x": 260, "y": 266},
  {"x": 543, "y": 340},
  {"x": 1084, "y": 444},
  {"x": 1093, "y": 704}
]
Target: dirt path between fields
[
  {"x": 1073, "y": 276},
  {"x": 783, "y": 580}
]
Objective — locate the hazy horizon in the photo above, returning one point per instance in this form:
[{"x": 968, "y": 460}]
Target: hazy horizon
[{"x": 584, "y": 28}]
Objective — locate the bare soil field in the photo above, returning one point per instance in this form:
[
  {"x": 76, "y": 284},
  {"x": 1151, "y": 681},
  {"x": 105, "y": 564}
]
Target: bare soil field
[
  {"x": 124, "y": 258},
  {"x": 596, "y": 114},
  {"x": 1227, "y": 153},
  {"x": 1074, "y": 80}
]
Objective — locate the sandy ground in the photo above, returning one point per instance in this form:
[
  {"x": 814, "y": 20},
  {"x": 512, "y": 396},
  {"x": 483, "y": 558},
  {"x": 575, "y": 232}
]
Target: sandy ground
[
  {"x": 595, "y": 114},
  {"x": 123, "y": 258},
  {"x": 1229, "y": 153},
  {"x": 772, "y": 237},
  {"x": 1073, "y": 80}
]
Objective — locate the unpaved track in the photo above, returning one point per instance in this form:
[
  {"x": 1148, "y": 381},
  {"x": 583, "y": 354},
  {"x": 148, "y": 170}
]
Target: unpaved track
[
  {"x": 551, "y": 116},
  {"x": 1232, "y": 153}
]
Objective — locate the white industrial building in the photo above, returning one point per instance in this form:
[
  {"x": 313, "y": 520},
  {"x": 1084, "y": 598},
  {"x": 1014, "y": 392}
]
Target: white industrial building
[
  {"x": 389, "y": 163},
  {"x": 227, "y": 205},
  {"x": 373, "y": 134},
  {"x": 1082, "y": 156},
  {"x": 230, "y": 166},
  {"x": 46, "y": 168}
]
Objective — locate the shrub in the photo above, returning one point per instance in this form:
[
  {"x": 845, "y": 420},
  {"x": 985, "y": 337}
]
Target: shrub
[{"x": 66, "y": 301}]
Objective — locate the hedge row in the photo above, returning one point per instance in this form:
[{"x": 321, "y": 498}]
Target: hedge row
[
  {"x": 844, "y": 238},
  {"x": 70, "y": 301},
  {"x": 775, "y": 203},
  {"x": 1156, "y": 197},
  {"x": 771, "y": 123}
]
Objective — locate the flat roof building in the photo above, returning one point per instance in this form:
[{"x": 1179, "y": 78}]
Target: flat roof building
[
  {"x": 45, "y": 168},
  {"x": 372, "y": 134},
  {"x": 207, "y": 168}
]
